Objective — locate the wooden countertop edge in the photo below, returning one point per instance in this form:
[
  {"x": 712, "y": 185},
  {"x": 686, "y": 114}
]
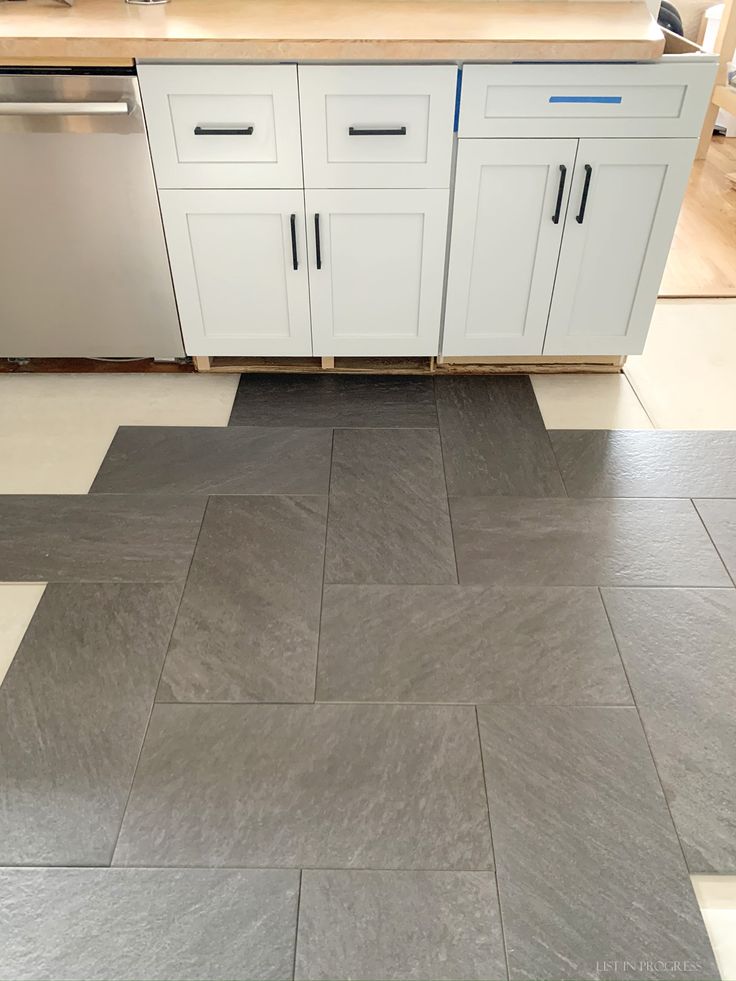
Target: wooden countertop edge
[{"x": 124, "y": 51}]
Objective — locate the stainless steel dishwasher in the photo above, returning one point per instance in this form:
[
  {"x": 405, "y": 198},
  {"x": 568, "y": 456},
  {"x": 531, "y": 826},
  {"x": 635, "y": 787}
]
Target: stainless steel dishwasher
[{"x": 83, "y": 264}]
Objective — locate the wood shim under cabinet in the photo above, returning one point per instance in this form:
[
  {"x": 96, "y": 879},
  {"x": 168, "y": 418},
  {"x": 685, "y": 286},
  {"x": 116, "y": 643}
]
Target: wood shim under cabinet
[{"x": 412, "y": 366}]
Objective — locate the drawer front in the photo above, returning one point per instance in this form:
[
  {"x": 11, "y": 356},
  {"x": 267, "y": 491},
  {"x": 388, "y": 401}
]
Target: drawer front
[
  {"x": 223, "y": 125},
  {"x": 377, "y": 126},
  {"x": 661, "y": 99}
]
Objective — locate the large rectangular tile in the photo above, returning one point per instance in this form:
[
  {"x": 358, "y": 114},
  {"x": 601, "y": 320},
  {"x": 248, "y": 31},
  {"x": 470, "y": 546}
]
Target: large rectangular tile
[
  {"x": 591, "y": 877},
  {"x": 493, "y": 438},
  {"x": 438, "y": 926},
  {"x": 468, "y": 644},
  {"x": 322, "y": 786},
  {"x": 73, "y": 712},
  {"x": 157, "y": 924},
  {"x": 719, "y": 517},
  {"x": 204, "y": 460},
  {"x": 678, "y": 646},
  {"x": 249, "y": 619},
  {"x": 388, "y": 520},
  {"x": 334, "y": 400},
  {"x": 646, "y": 464},
  {"x": 98, "y": 538},
  {"x": 604, "y": 401},
  {"x": 559, "y": 541}
]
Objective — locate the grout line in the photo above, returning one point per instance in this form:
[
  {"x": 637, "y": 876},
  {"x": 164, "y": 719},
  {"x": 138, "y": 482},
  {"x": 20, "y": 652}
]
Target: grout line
[
  {"x": 324, "y": 570},
  {"x": 636, "y": 396},
  {"x": 447, "y": 491},
  {"x": 640, "y": 399},
  {"x": 394, "y": 703},
  {"x": 296, "y": 926},
  {"x": 710, "y": 537},
  {"x": 158, "y": 683},
  {"x": 490, "y": 833},
  {"x": 646, "y": 739}
]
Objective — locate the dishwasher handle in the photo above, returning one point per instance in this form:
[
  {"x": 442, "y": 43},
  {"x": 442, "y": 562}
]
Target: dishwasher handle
[{"x": 65, "y": 109}]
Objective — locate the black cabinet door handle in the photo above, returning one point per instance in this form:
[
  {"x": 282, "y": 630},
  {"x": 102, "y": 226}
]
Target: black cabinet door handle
[
  {"x": 294, "y": 259},
  {"x": 584, "y": 199},
  {"x": 317, "y": 244},
  {"x": 560, "y": 192},
  {"x": 358, "y": 131},
  {"x": 223, "y": 131}
]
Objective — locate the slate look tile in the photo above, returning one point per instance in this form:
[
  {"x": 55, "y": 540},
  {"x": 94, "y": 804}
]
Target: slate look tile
[
  {"x": 248, "y": 624},
  {"x": 73, "y": 712},
  {"x": 589, "y": 866},
  {"x": 493, "y": 438},
  {"x": 98, "y": 538},
  {"x": 719, "y": 517},
  {"x": 388, "y": 519},
  {"x": 607, "y": 542},
  {"x": 679, "y": 648},
  {"x": 468, "y": 644},
  {"x": 336, "y": 786},
  {"x": 438, "y": 926},
  {"x": 158, "y": 924},
  {"x": 646, "y": 464},
  {"x": 208, "y": 460},
  {"x": 353, "y": 401}
]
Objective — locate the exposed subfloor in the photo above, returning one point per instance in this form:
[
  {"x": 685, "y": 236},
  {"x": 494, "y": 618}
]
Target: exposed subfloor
[{"x": 385, "y": 679}]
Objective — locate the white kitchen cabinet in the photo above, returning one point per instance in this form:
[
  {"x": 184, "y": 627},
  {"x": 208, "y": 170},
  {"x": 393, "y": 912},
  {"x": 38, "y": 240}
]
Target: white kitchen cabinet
[
  {"x": 376, "y": 270},
  {"x": 510, "y": 202},
  {"x": 615, "y": 243},
  {"x": 239, "y": 264}
]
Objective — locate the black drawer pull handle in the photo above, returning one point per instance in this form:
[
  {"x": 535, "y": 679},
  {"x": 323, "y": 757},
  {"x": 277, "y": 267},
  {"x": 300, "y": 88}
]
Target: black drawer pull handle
[
  {"x": 584, "y": 200},
  {"x": 294, "y": 259},
  {"x": 560, "y": 192},
  {"x": 223, "y": 131},
  {"x": 317, "y": 244},
  {"x": 357, "y": 131}
]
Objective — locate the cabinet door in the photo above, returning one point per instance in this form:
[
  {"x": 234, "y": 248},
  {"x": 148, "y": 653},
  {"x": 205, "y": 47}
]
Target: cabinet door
[
  {"x": 376, "y": 267},
  {"x": 239, "y": 264},
  {"x": 509, "y": 212},
  {"x": 616, "y": 243}
]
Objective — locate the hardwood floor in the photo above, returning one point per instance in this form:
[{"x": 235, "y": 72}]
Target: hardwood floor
[{"x": 702, "y": 260}]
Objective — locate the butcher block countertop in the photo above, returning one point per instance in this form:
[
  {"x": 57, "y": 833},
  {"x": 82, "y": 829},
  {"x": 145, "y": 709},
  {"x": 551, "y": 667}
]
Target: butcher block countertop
[{"x": 112, "y": 32}]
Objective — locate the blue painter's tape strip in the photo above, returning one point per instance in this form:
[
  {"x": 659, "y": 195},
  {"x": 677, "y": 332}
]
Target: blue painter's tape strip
[
  {"x": 457, "y": 99},
  {"x": 611, "y": 100}
]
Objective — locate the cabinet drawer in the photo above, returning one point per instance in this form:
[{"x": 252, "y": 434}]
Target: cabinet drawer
[
  {"x": 377, "y": 126},
  {"x": 223, "y": 125},
  {"x": 661, "y": 99}
]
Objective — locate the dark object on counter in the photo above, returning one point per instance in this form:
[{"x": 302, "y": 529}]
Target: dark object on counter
[{"x": 669, "y": 18}]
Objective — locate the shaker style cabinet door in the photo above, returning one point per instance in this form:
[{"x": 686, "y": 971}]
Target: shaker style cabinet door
[
  {"x": 510, "y": 202},
  {"x": 624, "y": 204},
  {"x": 376, "y": 268},
  {"x": 239, "y": 264}
]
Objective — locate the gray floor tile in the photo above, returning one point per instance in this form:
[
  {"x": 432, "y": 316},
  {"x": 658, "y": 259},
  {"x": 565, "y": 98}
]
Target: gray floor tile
[
  {"x": 208, "y": 460},
  {"x": 73, "y": 712},
  {"x": 388, "y": 520},
  {"x": 679, "y": 647},
  {"x": 249, "y": 620},
  {"x": 719, "y": 517},
  {"x": 322, "y": 786},
  {"x": 438, "y": 926},
  {"x": 599, "y": 463},
  {"x": 589, "y": 867},
  {"x": 493, "y": 438},
  {"x": 97, "y": 538},
  {"x": 334, "y": 400},
  {"x": 468, "y": 644},
  {"x": 560, "y": 541},
  {"x": 157, "y": 924}
]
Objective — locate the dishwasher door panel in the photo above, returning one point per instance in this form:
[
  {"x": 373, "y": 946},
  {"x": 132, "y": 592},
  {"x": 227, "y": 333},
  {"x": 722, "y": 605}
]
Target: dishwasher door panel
[{"x": 83, "y": 265}]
